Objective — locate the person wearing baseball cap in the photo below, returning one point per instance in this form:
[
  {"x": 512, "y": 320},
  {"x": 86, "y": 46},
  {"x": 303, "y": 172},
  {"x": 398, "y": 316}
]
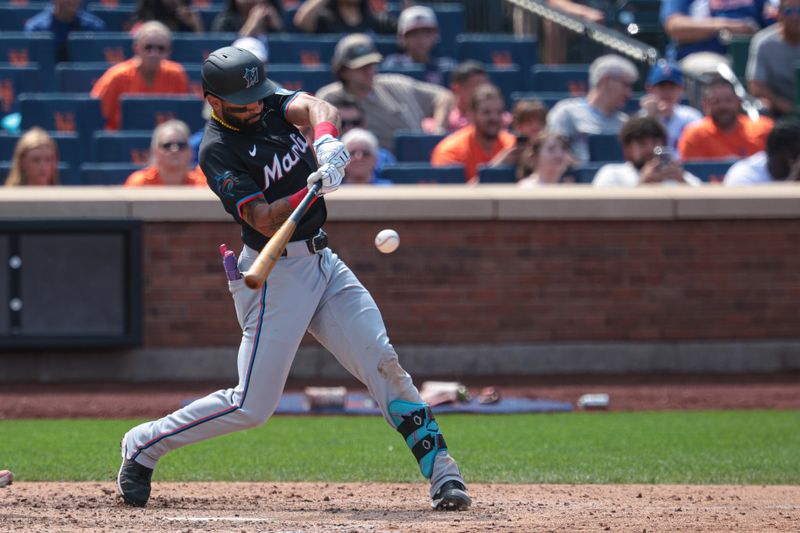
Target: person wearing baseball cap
[
  {"x": 417, "y": 34},
  {"x": 262, "y": 169},
  {"x": 664, "y": 87},
  {"x": 390, "y": 102}
]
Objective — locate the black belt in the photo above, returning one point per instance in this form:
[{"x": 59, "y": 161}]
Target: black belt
[{"x": 315, "y": 244}]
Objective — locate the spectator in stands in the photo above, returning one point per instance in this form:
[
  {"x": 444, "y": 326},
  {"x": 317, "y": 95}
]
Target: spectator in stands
[
  {"x": 611, "y": 79},
  {"x": 363, "y": 148},
  {"x": 177, "y": 15},
  {"x": 772, "y": 52},
  {"x": 417, "y": 33},
  {"x": 648, "y": 161},
  {"x": 664, "y": 92},
  {"x": 546, "y": 161},
  {"x": 484, "y": 141},
  {"x": 147, "y": 72},
  {"x": 390, "y": 101},
  {"x": 556, "y": 41},
  {"x": 724, "y": 132},
  {"x": 35, "y": 160},
  {"x": 352, "y": 116},
  {"x": 697, "y": 29},
  {"x": 342, "y": 16},
  {"x": 528, "y": 119},
  {"x": 463, "y": 80},
  {"x": 250, "y": 18},
  {"x": 61, "y": 18},
  {"x": 780, "y": 161},
  {"x": 170, "y": 159}
]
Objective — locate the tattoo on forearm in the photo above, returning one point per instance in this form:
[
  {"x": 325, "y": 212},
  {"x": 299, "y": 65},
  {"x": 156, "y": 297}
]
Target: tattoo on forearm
[{"x": 264, "y": 217}]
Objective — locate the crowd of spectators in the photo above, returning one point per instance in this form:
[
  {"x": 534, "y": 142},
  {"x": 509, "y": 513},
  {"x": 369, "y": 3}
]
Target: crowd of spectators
[{"x": 458, "y": 102}]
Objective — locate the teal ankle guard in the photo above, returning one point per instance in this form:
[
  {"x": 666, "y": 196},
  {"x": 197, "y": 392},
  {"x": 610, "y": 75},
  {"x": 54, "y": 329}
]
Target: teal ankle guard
[{"x": 416, "y": 424}]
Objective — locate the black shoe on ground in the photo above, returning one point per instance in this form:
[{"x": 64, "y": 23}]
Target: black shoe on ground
[
  {"x": 133, "y": 482},
  {"x": 452, "y": 496}
]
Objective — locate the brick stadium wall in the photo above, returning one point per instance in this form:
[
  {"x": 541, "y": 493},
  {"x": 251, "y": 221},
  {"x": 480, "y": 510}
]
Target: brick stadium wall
[{"x": 497, "y": 281}]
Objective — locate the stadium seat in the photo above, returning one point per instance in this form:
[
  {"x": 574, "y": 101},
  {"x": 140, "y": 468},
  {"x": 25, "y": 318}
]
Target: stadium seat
[
  {"x": 13, "y": 17},
  {"x": 497, "y": 49},
  {"x": 572, "y": 79},
  {"x": 195, "y": 81},
  {"x": 295, "y": 77},
  {"x": 302, "y": 49},
  {"x": 507, "y": 79},
  {"x": 122, "y": 147},
  {"x": 504, "y": 174},
  {"x": 17, "y": 80},
  {"x": 411, "y": 146},
  {"x": 414, "y": 71},
  {"x": 62, "y": 112},
  {"x": 547, "y": 98},
  {"x": 208, "y": 14},
  {"x": 709, "y": 171},
  {"x": 67, "y": 175},
  {"x": 146, "y": 111},
  {"x": 78, "y": 77},
  {"x": 117, "y": 18},
  {"x": 604, "y": 148},
  {"x": 585, "y": 173},
  {"x": 106, "y": 47},
  {"x": 419, "y": 173},
  {"x": 20, "y": 49},
  {"x": 106, "y": 173},
  {"x": 194, "y": 48}
]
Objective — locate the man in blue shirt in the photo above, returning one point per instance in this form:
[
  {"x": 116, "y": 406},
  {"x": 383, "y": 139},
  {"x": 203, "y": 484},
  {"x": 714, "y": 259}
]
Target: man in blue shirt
[
  {"x": 698, "y": 28},
  {"x": 63, "y": 17}
]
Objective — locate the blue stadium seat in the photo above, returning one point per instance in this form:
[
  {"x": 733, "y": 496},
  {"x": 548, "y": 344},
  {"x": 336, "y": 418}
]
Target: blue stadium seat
[
  {"x": 412, "y": 146},
  {"x": 419, "y": 173},
  {"x": 507, "y": 79},
  {"x": 505, "y": 174},
  {"x": 497, "y": 49},
  {"x": 106, "y": 47},
  {"x": 194, "y": 48},
  {"x": 122, "y": 146},
  {"x": 78, "y": 77},
  {"x": 106, "y": 173},
  {"x": 17, "y": 80},
  {"x": 70, "y": 148},
  {"x": 21, "y": 49},
  {"x": 195, "y": 81},
  {"x": 605, "y": 148},
  {"x": 67, "y": 175},
  {"x": 117, "y": 18},
  {"x": 547, "y": 98},
  {"x": 146, "y": 111},
  {"x": 208, "y": 14},
  {"x": 13, "y": 17},
  {"x": 302, "y": 49},
  {"x": 709, "y": 171},
  {"x": 585, "y": 173},
  {"x": 572, "y": 79},
  {"x": 414, "y": 71},
  {"x": 296, "y": 77},
  {"x": 64, "y": 113}
]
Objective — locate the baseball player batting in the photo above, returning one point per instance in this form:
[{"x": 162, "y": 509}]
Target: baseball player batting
[{"x": 261, "y": 167}]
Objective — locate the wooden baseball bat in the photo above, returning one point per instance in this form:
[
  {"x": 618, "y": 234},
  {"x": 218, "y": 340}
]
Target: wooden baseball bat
[{"x": 265, "y": 262}]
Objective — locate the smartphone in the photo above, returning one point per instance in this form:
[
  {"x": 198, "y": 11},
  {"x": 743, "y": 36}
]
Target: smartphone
[{"x": 664, "y": 155}]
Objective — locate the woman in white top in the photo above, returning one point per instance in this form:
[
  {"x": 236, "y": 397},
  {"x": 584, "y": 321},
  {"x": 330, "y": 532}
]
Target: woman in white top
[{"x": 546, "y": 161}]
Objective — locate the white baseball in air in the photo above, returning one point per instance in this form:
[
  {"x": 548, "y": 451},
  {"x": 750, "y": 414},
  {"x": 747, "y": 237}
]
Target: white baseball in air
[{"x": 387, "y": 241}]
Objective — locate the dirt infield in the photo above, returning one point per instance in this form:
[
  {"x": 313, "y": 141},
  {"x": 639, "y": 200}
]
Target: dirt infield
[{"x": 373, "y": 508}]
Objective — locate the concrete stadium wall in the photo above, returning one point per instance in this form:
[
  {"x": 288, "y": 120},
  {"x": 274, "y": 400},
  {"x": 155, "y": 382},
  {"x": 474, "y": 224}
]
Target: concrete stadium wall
[{"x": 487, "y": 280}]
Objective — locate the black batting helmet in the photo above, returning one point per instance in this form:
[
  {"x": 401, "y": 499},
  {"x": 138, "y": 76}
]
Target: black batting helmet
[{"x": 235, "y": 75}]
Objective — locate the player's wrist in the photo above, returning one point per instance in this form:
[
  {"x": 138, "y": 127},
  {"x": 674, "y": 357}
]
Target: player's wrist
[
  {"x": 325, "y": 128},
  {"x": 296, "y": 198}
]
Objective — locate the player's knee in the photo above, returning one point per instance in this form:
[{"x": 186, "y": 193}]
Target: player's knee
[{"x": 251, "y": 418}]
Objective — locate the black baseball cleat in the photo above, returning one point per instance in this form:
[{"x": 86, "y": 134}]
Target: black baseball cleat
[
  {"x": 452, "y": 496},
  {"x": 133, "y": 482}
]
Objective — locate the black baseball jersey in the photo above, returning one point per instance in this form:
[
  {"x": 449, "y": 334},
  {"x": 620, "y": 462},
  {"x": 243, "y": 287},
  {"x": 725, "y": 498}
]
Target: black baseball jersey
[{"x": 273, "y": 162}]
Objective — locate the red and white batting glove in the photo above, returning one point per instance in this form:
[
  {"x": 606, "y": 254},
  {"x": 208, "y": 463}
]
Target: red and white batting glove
[
  {"x": 330, "y": 176},
  {"x": 328, "y": 148}
]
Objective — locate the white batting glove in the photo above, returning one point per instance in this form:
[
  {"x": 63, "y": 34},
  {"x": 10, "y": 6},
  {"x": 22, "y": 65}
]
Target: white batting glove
[
  {"x": 329, "y": 149},
  {"x": 330, "y": 176}
]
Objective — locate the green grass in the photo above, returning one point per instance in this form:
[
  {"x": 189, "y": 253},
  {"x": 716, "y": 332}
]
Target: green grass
[{"x": 715, "y": 447}]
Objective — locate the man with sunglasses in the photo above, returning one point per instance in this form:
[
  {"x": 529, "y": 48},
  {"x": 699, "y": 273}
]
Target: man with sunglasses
[
  {"x": 147, "y": 72},
  {"x": 773, "y": 52},
  {"x": 260, "y": 166},
  {"x": 170, "y": 159}
]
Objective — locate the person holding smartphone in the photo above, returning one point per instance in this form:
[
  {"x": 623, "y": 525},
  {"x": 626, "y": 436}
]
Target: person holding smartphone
[{"x": 648, "y": 159}]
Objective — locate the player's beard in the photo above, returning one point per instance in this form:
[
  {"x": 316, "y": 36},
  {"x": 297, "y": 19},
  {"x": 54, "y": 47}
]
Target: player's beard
[{"x": 249, "y": 126}]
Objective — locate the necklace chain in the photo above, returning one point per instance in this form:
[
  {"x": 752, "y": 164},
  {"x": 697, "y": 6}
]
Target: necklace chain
[{"x": 215, "y": 117}]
